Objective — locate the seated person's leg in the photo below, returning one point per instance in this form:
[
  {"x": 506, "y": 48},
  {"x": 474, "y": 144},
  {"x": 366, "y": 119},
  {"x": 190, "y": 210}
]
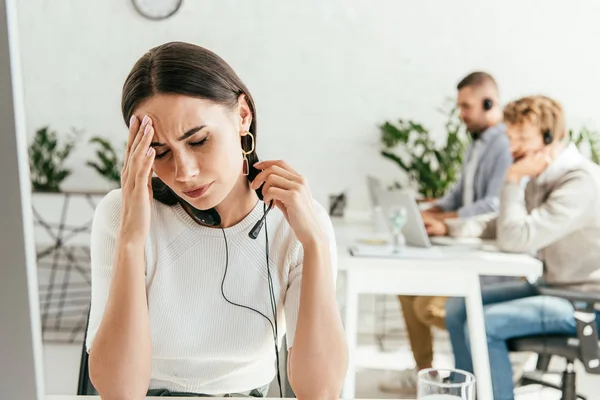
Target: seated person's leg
[
  {"x": 431, "y": 310},
  {"x": 456, "y": 316},
  {"x": 419, "y": 333},
  {"x": 517, "y": 318},
  {"x": 419, "y": 313}
]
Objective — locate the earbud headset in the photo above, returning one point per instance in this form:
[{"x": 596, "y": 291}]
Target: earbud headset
[
  {"x": 488, "y": 104},
  {"x": 211, "y": 217},
  {"x": 548, "y": 137}
]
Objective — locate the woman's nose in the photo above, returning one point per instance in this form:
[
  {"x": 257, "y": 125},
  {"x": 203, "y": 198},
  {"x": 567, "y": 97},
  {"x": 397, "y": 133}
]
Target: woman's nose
[{"x": 185, "y": 168}]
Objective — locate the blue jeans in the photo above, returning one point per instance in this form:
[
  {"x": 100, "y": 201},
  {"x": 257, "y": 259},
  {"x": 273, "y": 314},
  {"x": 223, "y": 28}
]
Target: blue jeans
[{"x": 510, "y": 310}]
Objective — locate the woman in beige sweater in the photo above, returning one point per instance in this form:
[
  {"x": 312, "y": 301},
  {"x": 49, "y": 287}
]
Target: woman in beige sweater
[{"x": 556, "y": 216}]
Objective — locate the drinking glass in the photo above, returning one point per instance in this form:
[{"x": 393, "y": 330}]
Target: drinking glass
[
  {"x": 445, "y": 384},
  {"x": 398, "y": 216}
]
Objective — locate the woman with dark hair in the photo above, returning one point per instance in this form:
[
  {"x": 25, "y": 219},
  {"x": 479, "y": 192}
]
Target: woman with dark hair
[{"x": 199, "y": 272}]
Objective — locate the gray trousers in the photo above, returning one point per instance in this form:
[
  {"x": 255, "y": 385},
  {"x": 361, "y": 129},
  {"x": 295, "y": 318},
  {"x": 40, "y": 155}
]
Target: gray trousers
[{"x": 260, "y": 392}]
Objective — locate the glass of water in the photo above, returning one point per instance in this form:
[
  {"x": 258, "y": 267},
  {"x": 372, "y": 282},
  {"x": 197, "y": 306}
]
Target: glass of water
[
  {"x": 445, "y": 384},
  {"x": 398, "y": 216}
]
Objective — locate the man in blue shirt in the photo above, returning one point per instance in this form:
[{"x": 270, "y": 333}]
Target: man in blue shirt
[
  {"x": 477, "y": 192},
  {"x": 487, "y": 158}
]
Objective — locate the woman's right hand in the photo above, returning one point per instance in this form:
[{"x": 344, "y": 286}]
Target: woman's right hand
[{"x": 136, "y": 186}]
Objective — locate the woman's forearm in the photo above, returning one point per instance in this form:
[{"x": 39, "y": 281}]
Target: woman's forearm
[
  {"x": 121, "y": 355},
  {"x": 319, "y": 358}
]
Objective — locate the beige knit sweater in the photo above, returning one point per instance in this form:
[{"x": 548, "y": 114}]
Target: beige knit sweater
[{"x": 556, "y": 217}]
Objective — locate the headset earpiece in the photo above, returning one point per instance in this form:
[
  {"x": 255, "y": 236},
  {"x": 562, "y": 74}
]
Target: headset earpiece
[
  {"x": 547, "y": 137},
  {"x": 208, "y": 217},
  {"x": 163, "y": 194},
  {"x": 488, "y": 104}
]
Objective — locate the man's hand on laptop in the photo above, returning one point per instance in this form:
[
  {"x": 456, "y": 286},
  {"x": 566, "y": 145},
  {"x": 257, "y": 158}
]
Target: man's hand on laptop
[
  {"x": 434, "y": 226},
  {"x": 438, "y": 215}
]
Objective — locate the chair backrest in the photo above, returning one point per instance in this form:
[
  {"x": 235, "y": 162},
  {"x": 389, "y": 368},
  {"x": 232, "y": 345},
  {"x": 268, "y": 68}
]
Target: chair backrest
[
  {"x": 84, "y": 384},
  {"x": 584, "y": 304}
]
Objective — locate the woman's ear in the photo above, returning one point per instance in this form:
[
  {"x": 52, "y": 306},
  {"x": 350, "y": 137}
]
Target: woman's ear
[{"x": 245, "y": 113}]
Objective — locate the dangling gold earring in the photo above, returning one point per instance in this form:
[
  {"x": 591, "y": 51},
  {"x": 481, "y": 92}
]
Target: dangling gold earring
[{"x": 246, "y": 165}]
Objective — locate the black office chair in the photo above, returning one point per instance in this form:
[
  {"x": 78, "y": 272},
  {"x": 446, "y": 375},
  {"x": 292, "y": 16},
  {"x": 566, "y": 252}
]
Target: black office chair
[
  {"x": 84, "y": 384},
  {"x": 583, "y": 347}
]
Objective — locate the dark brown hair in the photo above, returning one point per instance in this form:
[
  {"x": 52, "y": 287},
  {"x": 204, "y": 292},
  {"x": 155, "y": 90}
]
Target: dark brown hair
[
  {"x": 189, "y": 70},
  {"x": 476, "y": 79}
]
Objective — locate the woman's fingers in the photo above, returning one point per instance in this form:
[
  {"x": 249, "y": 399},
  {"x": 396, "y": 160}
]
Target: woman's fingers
[
  {"x": 280, "y": 197},
  {"x": 140, "y": 152},
  {"x": 278, "y": 182},
  {"x": 280, "y": 163},
  {"x": 145, "y": 171},
  {"x": 145, "y": 128},
  {"x": 138, "y": 130},
  {"x": 274, "y": 170},
  {"x": 134, "y": 126},
  {"x": 141, "y": 156}
]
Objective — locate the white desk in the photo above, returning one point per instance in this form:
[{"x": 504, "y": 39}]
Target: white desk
[
  {"x": 455, "y": 275},
  {"x": 73, "y": 397}
]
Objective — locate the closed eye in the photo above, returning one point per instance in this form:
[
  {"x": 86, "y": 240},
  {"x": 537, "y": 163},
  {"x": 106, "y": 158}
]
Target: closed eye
[
  {"x": 200, "y": 143},
  {"x": 193, "y": 144},
  {"x": 161, "y": 155}
]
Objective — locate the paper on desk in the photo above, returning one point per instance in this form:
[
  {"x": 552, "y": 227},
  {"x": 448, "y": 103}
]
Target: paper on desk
[{"x": 361, "y": 250}]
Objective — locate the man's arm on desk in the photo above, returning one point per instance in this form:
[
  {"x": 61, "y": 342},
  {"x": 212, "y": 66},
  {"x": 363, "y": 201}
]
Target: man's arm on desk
[
  {"x": 443, "y": 215},
  {"x": 481, "y": 226}
]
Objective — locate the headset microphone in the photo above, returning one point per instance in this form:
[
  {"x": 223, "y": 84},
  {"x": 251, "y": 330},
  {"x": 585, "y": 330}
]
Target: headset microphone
[{"x": 259, "y": 224}]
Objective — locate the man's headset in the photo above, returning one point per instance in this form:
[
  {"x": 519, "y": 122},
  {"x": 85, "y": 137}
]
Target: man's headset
[
  {"x": 488, "y": 104},
  {"x": 163, "y": 194},
  {"x": 548, "y": 137}
]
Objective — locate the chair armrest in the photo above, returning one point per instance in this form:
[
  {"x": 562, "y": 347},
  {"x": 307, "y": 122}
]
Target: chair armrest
[
  {"x": 571, "y": 295},
  {"x": 585, "y": 319}
]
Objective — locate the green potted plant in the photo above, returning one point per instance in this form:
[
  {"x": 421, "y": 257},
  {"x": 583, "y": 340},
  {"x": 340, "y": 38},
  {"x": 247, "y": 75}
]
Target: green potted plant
[
  {"x": 47, "y": 156},
  {"x": 589, "y": 140},
  {"x": 431, "y": 168},
  {"x": 107, "y": 163}
]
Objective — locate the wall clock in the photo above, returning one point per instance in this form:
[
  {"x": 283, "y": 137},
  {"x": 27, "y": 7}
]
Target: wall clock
[{"x": 157, "y": 9}]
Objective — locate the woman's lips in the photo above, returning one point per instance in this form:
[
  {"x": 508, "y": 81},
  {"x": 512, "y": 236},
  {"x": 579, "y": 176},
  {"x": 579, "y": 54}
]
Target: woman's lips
[{"x": 198, "y": 191}]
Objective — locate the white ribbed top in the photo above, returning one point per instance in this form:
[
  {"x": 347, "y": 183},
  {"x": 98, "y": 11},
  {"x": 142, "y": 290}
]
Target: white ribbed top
[{"x": 201, "y": 343}]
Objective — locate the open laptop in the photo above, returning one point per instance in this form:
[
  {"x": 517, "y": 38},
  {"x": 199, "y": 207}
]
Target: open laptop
[
  {"x": 376, "y": 190},
  {"x": 383, "y": 201},
  {"x": 414, "y": 230},
  {"x": 376, "y": 193}
]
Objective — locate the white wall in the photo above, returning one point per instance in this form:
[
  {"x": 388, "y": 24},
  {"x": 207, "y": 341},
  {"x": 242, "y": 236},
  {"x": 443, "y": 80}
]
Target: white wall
[{"x": 323, "y": 73}]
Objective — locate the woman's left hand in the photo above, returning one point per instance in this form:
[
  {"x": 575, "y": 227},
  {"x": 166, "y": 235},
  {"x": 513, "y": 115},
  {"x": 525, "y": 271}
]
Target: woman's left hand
[{"x": 290, "y": 193}]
